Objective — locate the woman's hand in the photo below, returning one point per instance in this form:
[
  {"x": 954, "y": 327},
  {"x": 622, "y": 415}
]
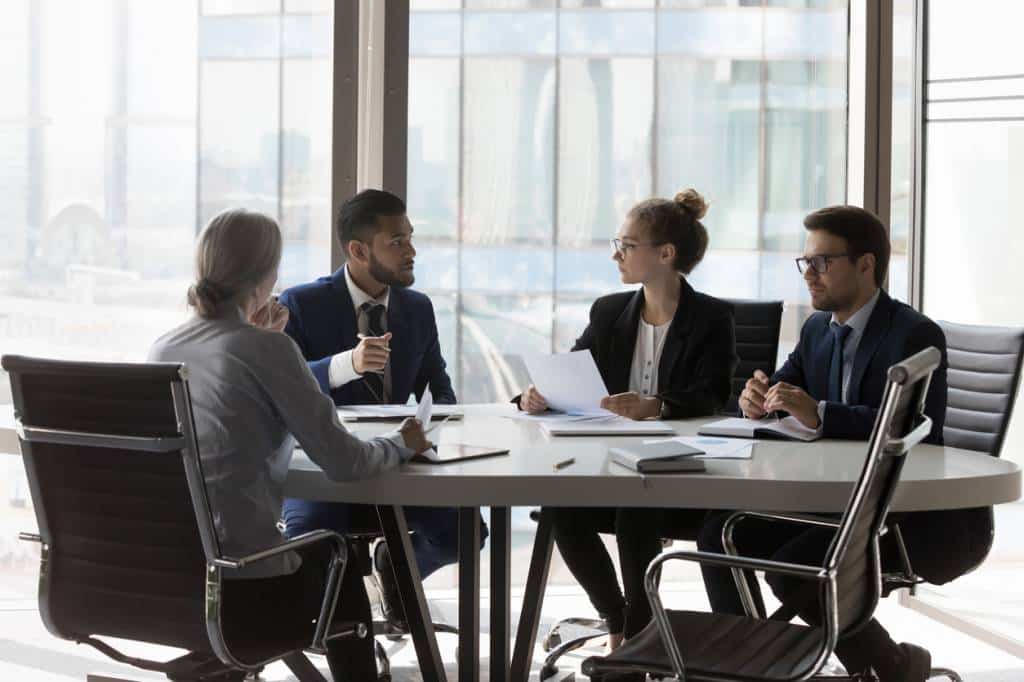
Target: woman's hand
[
  {"x": 412, "y": 433},
  {"x": 272, "y": 316},
  {"x": 632, "y": 405},
  {"x": 532, "y": 401}
]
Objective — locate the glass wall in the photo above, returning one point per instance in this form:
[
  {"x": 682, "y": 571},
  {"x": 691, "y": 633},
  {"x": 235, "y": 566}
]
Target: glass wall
[
  {"x": 535, "y": 125},
  {"x": 974, "y": 169},
  {"x": 123, "y": 127}
]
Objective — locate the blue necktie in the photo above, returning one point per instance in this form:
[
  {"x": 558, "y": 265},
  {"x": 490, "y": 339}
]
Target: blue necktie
[
  {"x": 835, "y": 371},
  {"x": 374, "y": 318}
]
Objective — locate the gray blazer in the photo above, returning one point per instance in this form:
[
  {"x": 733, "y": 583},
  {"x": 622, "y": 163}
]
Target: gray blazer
[{"x": 253, "y": 396}]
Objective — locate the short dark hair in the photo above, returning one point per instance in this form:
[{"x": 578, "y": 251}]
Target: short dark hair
[
  {"x": 862, "y": 230},
  {"x": 357, "y": 218}
]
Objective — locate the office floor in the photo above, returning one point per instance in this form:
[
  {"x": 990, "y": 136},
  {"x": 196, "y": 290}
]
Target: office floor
[{"x": 28, "y": 653}]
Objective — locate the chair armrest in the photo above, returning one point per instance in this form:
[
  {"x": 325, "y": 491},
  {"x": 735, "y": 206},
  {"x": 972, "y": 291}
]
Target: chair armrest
[
  {"x": 804, "y": 571},
  {"x": 808, "y": 519},
  {"x": 303, "y": 540},
  {"x": 918, "y": 434}
]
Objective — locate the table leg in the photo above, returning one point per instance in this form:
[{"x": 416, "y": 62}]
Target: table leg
[
  {"x": 501, "y": 580},
  {"x": 469, "y": 594},
  {"x": 410, "y": 588},
  {"x": 533, "y": 599}
]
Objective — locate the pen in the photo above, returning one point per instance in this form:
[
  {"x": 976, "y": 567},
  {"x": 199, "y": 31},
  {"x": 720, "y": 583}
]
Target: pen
[{"x": 564, "y": 463}]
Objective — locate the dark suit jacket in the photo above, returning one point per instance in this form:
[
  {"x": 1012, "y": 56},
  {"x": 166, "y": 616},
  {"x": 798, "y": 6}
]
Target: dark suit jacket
[
  {"x": 894, "y": 332},
  {"x": 322, "y": 321},
  {"x": 942, "y": 544},
  {"x": 697, "y": 360}
]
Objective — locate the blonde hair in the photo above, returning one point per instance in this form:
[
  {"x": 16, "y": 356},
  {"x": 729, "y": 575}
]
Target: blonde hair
[
  {"x": 677, "y": 221},
  {"x": 237, "y": 250}
]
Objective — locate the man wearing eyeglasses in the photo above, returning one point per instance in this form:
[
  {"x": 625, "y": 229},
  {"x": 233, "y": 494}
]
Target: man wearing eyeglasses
[{"x": 833, "y": 382}]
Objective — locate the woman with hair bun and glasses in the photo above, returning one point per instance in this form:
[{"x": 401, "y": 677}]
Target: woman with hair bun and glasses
[
  {"x": 663, "y": 350},
  {"x": 253, "y": 397}
]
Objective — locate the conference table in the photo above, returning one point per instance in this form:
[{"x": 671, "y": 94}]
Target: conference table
[{"x": 779, "y": 476}]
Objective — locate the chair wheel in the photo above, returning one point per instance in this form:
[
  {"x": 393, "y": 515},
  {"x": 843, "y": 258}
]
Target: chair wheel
[{"x": 547, "y": 671}]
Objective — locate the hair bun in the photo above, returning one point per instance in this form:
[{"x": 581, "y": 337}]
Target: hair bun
[{"x": 692, "y": 202}]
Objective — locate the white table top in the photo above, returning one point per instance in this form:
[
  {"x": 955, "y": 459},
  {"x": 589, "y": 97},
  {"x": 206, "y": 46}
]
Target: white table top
[{"x": 781, "y": 475}]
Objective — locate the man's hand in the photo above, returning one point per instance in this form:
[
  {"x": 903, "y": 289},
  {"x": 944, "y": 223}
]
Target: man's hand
[
  {"x": 412, "y": 434},
  {"x": 272, "y": 316},
  {"x": 632, "y": 405},
  {"x": 532, "y": 401},
  {"x": 371, "y": 355},
  {"x": 752, "y": 396},
  {"x": 796, "y": 401}
]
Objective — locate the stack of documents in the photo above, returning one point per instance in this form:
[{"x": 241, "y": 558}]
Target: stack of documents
[
  {"x": 604, "y": 426},
  {"x": 354, "y": 413},
  {"x": 789, "y": 428}
]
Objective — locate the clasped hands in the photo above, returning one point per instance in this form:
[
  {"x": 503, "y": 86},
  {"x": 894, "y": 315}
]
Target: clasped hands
[
  {"x": 758, "y": 399},
  {"x": 630, "y": 404}
]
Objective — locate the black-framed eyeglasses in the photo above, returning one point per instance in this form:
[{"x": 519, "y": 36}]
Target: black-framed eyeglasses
[
  {"x": 621, "y": 247},
  {"x": 817, "y": 263}
]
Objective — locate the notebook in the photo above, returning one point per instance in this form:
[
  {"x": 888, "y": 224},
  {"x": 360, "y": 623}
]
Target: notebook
[
  {"x": 788, "y": 428},
  {"x": 450, "y": 453},
  {"x": 614, "y": 426},
  {"x": 663, "y": 457},
  {"x": 370, "y": 413}
]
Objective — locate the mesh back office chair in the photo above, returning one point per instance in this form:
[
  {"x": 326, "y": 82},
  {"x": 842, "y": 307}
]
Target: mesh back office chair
[
  {"x": 710, "y": 646},
  {"x": 129, "y": 548},
  {"x": 757, "y": 345},
  {"x": 757, "y": 342}
]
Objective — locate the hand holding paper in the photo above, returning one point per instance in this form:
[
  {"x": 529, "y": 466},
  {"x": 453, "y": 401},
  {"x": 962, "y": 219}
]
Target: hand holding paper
[{"x": 569, "y": 382}]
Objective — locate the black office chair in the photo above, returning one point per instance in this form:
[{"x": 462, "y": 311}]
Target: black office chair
[
  {"x": 757, "y": 342},
  {"x": 129, "y": 548},
  {"x": 982, "y": 380},
  {"x": 698, "y": 646},
  {"x": 757, "y": 345}
]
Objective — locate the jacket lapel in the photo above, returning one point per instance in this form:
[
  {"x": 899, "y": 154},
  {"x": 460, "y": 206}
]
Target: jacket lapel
[
  {"x": 682, "y": 322},
  {"x": 348, "y": 325},
  {"x": 398, "y": 325},
  {"x": 624, "y": 333},
  {"x": 878, "y": 327}
]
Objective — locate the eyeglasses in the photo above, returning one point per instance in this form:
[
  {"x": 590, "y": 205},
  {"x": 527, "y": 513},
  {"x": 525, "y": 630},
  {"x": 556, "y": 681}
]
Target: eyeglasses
[
  {"x": 620, "y": 247},
  {"x": 817, "y": 263}
]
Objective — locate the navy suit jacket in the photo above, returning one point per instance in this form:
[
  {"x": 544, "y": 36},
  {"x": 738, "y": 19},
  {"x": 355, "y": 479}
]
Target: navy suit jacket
[
  {"x": 894, "y": 332},
  {"x": 322, "y": 321}
]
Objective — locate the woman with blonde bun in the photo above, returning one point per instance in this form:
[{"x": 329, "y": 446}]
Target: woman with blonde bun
[{"x": 664, "y": 351}]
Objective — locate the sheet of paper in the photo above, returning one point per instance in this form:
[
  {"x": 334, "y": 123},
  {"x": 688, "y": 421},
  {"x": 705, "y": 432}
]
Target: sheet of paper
[
  {"x": 425, "y": 409},
  {"x": 715, "y": 447},
  {"x": 553, "y": 416},
  {"x": 569, "y": 382},
  {"x": 394, "y": 411}
]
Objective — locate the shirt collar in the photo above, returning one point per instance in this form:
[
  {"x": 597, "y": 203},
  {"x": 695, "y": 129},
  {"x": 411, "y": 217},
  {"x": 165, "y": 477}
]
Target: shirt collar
[
  {"x": 359, "y": 297},
  {"x": 859, "y": 320}
]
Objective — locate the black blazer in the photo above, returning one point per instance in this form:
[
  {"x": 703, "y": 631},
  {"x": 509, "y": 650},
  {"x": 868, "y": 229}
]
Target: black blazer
[
  {"x": 697, "y": 360},
  {"x": 894, "y": 332}
]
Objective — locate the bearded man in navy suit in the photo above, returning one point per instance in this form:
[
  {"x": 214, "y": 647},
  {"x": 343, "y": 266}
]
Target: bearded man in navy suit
[{"x": 369, "y": 338}]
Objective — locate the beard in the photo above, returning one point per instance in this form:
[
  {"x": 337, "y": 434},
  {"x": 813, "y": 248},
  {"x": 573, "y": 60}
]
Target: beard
[{"x": 393, "y": 278}]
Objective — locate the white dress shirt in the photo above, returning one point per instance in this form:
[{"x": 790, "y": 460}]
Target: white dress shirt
[
  {"x": 342, "y": 370},
  {"x": 650, "y": 341},
  {"x": 253, "y": 396}
]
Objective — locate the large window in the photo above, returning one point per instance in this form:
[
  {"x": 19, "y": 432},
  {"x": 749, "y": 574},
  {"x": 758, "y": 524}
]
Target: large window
[
  {"x": 535, "y": 125},
  {"x": 974, "y": 171},
  {"x": 123, "y": 127}
]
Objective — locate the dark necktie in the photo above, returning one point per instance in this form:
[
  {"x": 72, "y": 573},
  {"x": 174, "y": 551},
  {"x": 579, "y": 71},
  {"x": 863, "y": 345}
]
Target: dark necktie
[
  {"x": 835, "y": 371},
  {"x": 375, "y": 327}
]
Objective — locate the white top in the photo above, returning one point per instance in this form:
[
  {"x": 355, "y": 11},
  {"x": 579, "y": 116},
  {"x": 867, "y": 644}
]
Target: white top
[
  {"x": 650, "y": 340},
  {"x": 779, "y": 476},
  {"x": 253, "y": 396},
  {"x": 341, "y": 370}
]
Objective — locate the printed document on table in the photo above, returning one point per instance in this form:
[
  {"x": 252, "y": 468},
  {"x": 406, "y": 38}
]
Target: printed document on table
[
  {"x": 569, "y": 382},
  {"x": 714, "y": 447}
]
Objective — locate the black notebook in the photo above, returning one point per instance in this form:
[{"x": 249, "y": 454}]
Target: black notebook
[{"x": 449, "y": 453}]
